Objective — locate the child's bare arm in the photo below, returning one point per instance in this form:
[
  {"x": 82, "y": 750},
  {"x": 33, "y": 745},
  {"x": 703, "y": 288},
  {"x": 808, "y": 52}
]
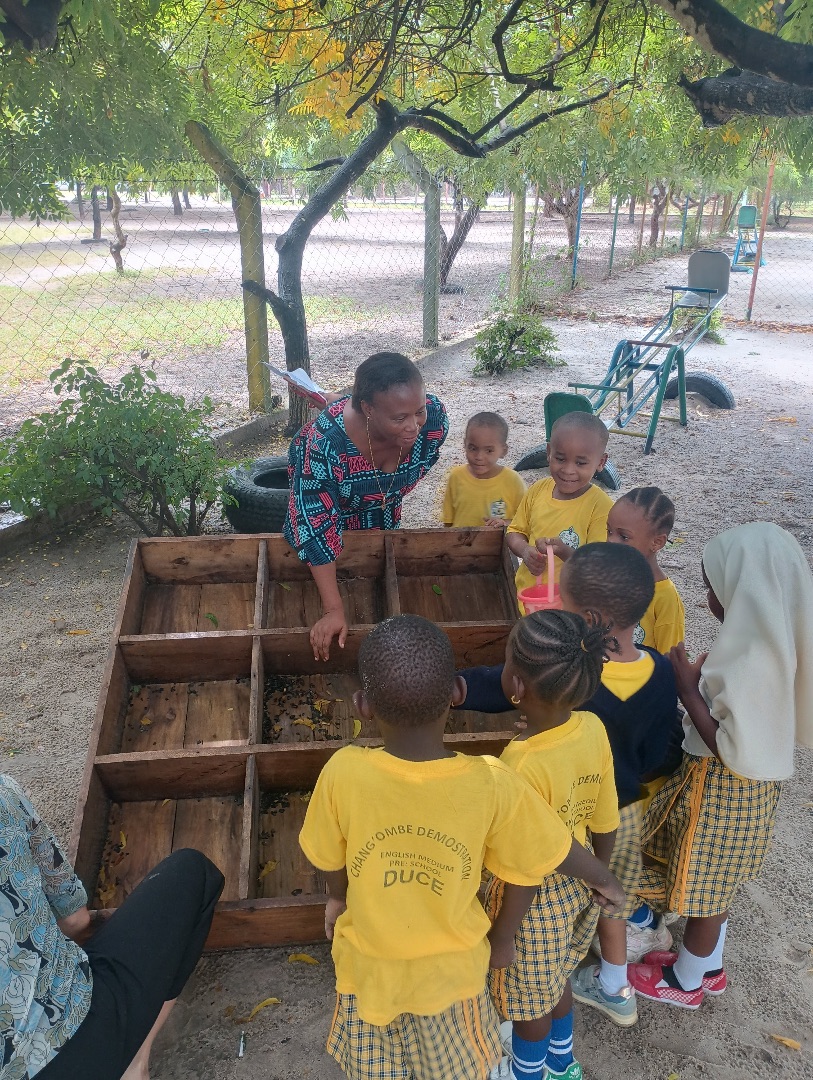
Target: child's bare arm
[
  {"x": 603, "y": 844},
  {"x": 516, "y": 900},
  {"x": 607, "y": 891},
  {"x": 337, "y": 900},
  {"x": 687, "y": 677}
]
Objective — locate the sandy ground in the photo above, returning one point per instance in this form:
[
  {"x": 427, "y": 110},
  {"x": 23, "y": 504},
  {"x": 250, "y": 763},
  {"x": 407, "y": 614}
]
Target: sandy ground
[{"x": 728, "y": 467}]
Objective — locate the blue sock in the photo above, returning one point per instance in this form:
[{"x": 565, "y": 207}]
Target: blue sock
[
  {"x": 528, "y": 1058},
  {"x": 560, "y": 1053},
  {"x": 643, "y": 917}
]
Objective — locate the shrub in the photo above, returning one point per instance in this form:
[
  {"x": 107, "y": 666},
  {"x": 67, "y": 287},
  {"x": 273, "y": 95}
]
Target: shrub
[
  {"x": 513, "y": 341},
  {"x": 128, "y": 445},
  {"x": 686, "y": 319}
]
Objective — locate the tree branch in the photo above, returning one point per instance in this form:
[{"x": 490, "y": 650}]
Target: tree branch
[
  {"x": 717, "y": 30},
  {"x": 276, "y": 303},
  {"x": 720, "y": 98},
  {"x": 509, "y": 134}
]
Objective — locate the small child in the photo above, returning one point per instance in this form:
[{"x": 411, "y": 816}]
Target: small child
[
  {"x": 482, "y": 492},
  {"x": 553, "y": 662},
  {"x": 644, "y": 518},
  {"x": 567, "y": 509},
  {"x": 748, "y": 700},
  {"x": 401, "y": 834}
]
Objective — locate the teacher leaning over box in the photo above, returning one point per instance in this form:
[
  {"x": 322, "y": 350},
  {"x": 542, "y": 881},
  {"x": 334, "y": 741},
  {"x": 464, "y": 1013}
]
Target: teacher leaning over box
[{"x": 351, "y": 467}]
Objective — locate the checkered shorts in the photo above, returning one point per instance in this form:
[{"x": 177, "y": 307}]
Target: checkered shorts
[
  {"x": 710, "y": 832},
  {"x": 626, "y": 862},
  {"x": 462, "y": 1041},
  {"x": 552, "y": 940}
]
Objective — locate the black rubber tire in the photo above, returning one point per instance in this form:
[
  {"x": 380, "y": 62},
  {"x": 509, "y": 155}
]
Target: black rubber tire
[
  {"x": 261, "y": 493},
  {"x": 534, "y": 459},
  {"x": 714, "y": 390},
  {"x": 609, "y": 477}
]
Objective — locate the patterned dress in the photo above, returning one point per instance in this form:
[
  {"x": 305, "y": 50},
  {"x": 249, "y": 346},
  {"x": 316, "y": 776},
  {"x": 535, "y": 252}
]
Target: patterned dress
[
  {"x": 334, "y": 487},
  {"x": 45, "y": 979}
]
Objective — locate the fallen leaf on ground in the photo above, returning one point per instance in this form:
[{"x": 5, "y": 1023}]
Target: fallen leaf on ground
[
  {"x": 307, "y": 797},
  {"x": 263, "y": 1005},
  {"x": 145, "y": 721},
  {"x": 791, "y": 1044},
  {"x": 23, "y": 644},
  {"x": 781, "y": 420},
  {"x": 269, "y": 866},
  {"x": 356, "y": 727},
  {"x": 321, "y": 704},
  {"x": 302, "y": 958},
  {"x": 106, "y": 895},
  {"x": 76, "y": 633},
  {"x": 122, "y": 840}
]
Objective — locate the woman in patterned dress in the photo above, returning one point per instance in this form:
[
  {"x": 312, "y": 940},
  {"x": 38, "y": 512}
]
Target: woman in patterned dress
[{"x": 350, "y": 469}]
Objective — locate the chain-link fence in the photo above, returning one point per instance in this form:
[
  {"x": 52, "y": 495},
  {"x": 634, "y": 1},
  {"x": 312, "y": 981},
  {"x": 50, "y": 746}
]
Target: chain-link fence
[{"x": 178, "y": 302}]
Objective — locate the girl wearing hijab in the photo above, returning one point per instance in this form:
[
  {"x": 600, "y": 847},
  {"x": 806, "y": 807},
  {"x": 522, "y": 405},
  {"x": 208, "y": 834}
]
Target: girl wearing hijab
[{"x": 748, "y": 700}]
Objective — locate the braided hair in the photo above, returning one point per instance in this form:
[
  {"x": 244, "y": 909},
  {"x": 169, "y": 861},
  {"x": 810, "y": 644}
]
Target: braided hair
[
  {"x": 657, "y": 508},
  {"x": 559, "y": 655}
]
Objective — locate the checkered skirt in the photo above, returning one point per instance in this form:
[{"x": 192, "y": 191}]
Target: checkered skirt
[
  {"x": 709, "y": 831},
  {"x": 626, "y": 862},
  {"x": 462, "y": 1041},
  {"x": 552, "y": 940}
]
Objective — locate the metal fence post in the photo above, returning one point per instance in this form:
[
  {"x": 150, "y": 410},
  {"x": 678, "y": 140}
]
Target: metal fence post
[
  {"x": 612, "y": 241},
  {"x": 683, "y": 223},
  {"x": 578, "y": 227},
  {"x": 431, "y": 265}
]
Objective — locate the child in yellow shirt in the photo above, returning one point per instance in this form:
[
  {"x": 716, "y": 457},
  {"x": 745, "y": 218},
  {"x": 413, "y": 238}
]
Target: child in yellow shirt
[
  {"x": 644, "y": 518},
  {"x": 567, "y": 509},
  {"x": 483, "y": 492},
  {"x": 553, "y": 664},
  {"x": 401, "y": 834}
]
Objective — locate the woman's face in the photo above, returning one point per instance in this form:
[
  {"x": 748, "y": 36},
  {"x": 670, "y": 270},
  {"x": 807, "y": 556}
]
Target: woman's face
[
  {"x": 398, "y": 414},
  {"x": 715, "y": 607}
]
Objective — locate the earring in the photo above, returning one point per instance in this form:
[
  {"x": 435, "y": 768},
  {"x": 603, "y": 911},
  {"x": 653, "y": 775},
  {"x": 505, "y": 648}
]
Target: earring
[{"x": 515, "y": 700}]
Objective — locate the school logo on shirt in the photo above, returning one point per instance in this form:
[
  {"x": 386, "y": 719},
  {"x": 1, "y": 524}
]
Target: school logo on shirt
[
  {"x": 498, "y": 509},
  {"x": 638, "y": 635},
  {"x": 570, "y": 537}
]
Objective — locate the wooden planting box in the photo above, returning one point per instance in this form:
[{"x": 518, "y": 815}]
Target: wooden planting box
[{"x": 214, "y": 719}]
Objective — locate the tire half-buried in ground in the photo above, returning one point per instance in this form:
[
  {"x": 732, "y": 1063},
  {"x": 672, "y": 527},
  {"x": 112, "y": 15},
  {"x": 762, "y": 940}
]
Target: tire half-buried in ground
[
  {"x": 714, "y": 390},
  {"x": 261, "y": 494}
]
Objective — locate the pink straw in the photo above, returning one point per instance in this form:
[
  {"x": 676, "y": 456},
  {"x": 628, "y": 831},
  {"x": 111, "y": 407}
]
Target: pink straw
[{"x": 551, "y": 585}]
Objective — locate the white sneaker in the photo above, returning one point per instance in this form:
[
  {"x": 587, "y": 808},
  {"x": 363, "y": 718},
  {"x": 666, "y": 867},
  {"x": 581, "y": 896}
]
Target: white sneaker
[
  {"x": 506, "y": 1031},
  {"x": 502, "y": 1070},
  {"x": 640, "y": 940}
]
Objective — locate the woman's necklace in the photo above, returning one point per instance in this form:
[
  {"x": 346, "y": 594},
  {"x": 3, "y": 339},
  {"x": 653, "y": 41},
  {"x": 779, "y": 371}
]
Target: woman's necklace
[{"x": 384, "y": 496}]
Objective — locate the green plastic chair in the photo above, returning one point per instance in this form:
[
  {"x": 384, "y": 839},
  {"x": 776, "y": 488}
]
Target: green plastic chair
[{"x": 559, "y": 403}]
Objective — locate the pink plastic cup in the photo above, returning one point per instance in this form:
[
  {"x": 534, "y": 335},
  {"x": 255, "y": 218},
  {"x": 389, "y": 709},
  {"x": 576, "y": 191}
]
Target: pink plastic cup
[{"x": 542, "y": 597}]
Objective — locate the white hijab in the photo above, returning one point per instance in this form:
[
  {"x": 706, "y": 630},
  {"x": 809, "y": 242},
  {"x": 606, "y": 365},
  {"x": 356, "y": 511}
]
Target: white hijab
[{"x": 758, "y": 677}]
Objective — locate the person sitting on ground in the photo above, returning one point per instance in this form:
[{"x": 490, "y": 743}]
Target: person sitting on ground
[
  {"x": 643, "y": 518},
  {"x": 483, "y": 492},
  {"x": 553, "y": 661},
  {"x": 565, "y": 510},
  {"x": 401, "y": 834},
  {"x": 71, "y": 1012}
]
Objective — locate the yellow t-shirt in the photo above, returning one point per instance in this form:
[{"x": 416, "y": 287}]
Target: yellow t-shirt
[
  {"x": 469, "y": 501},
  {"x": 414, "y": 837},
  {"x": 576, "y": 521},
  {"x": 664, "y": 622},
  {"x": 572, "y": 769},
  {"x": 626, "y": 679}
]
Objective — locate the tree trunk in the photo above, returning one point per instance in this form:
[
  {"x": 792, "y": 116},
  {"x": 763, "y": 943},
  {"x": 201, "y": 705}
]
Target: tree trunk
[
  {"x": 96, "y": 212},
  {"x": 177, "y": 209},
  {"x": 631, "y": 217},
  {"x": 641, "y": 230},
  {"x": 720, "y": 98},
  {"x": 660, "y": 197},
  {"x": 80, "y": 202},
  {"x": 517, "y": 271},
  {"x": 117, "y": 245},
  {"x": 185, "y": 197},
  {"x": 109, "y": 205},
  {"x": 451, "y": 249}
]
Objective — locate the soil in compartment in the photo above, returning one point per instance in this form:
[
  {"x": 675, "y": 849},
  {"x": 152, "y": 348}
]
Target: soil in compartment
[
  {"x": 312, "y": 708},
  {"x": 282, "y": 867},
  {"x": 185, "y": 609},
  {"x": 141, "y": 834},
  {"x": 169, "y": 716}
]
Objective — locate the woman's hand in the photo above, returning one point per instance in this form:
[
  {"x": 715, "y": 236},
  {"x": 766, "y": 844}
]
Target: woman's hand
[
  {"x": 333, "y": 622},
  {"x": 75, "y": 926},
  {"x": 687, "y": 674}
]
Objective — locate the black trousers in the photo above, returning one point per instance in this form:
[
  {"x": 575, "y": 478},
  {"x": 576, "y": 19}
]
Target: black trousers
[{"x": 140, "y": 958}]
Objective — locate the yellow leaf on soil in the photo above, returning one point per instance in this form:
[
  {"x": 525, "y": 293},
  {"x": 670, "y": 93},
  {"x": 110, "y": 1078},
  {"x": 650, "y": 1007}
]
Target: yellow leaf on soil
[
  {"x": 164, "y": 803},
  {"x": 307, "y": 796},
  {"x": 269, "y": 866},
  {"x": 791, "y": 1044},
  {"x": 106, "y": 895},
  {"x": 302, "y": 958},
  {"x": 356, "y": 727},
  {"x": 122, "y": 840},
  {"x": 145, "y": 721},
  {"x": 304, "y": 723},
  {"x": 76, "y": 633},
  {"x": 263, "y": 1005},
  {"x": 321, "y": 704}
]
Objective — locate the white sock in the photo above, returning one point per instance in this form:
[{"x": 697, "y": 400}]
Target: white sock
[
  {"x": 612, "y": 978},
  {"x": 715, "y": 961},
  {"x": 690, "y": 969}
]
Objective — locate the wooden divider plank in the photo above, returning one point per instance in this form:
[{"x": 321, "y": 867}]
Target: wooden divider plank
[
  {"x": 112, "y": 708},
  {"x": 213, "y": 826},
  {"x": 139, "y": 835},
  {"x": 187, "y": 657},
  {"x": 131, "y": 604},
  {"x": 447, "y": 551},
  {"x": 200, "y": 559},
  {"x": 257, "y": 924},
  {"x": 250, "y": 837},
  {"x": 478, "y": 643},
  {"x": 170, "y": 609},
  {"x": 156, "y": 717},
  {"x": 231, "y": 603},
  {"x": 262, "y": 590},
  {"x": 283, "y": 869},
  {"x": 256, "y": 706},
  {"x": 391, "y": 594},
  {"x": 176, "y": 773},
  {"x": 218, "y": 711}
]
